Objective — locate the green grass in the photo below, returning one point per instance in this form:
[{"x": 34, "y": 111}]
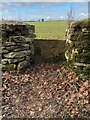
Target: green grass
[{"x": 50, "y": 30}]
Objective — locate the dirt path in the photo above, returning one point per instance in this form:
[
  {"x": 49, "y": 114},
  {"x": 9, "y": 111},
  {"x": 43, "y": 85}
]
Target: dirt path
[{"x": 45, "y": 91}]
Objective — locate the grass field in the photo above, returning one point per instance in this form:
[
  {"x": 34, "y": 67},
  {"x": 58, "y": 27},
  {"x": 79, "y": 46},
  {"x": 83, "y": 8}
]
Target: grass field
[{"x": 50, "y": 30}]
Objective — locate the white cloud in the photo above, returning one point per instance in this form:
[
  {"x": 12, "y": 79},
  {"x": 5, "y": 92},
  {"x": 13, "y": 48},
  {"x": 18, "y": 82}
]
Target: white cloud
[
  {"x": 83, "y": 14},
  {"x": 61, "y": 17},
  {"x": 48, "y": 17},
  {"x": 44, "y": 0}
]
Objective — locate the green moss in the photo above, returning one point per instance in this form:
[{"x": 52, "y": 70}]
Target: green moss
[
  {"x": 8, "y": 67},
  {"x": 86, "y": 71},
  {"x": 81, "y": 43},
  {"x": 81, "y": 24},
  {"x": 83, "y": 72},
  {"x": 82, "y": 46},
  {"x": 4, "y": 40}
]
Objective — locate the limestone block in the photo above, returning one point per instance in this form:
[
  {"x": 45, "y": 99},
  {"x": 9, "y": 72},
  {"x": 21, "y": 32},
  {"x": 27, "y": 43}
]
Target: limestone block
[
  {"x": 22, "y": 65},
  {"x": 85, "y": 30},
  {"x": 17, "y": 48},
  {"x": 17, "y": 54},
  {"x": 20, "y": 39},
  {"x": 9, "y": 67},
  {"x": 8, "y": 44},
  {"x": 11, "y": 61},
  {"x": 5, "y": 51},
  {"x": 4, "y": 61},
  {"x": 16, "y": 39}
]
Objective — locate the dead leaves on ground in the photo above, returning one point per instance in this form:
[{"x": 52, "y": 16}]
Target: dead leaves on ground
[{"x": 47, "y": 90}]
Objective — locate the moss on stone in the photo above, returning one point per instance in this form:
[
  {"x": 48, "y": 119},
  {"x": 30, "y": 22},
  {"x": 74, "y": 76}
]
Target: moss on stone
[
  {"x": 79, "y": 51},
  {"x": 17, "y": 44},
  {"x": 22, "y": 65},
  {"x": 81, "y": 24},
  {"x": 9, "y": 67}
]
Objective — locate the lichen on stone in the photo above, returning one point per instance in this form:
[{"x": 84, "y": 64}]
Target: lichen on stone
[
  {"x": 78, "y": 42},
  {"x": 17, "y": 45}
]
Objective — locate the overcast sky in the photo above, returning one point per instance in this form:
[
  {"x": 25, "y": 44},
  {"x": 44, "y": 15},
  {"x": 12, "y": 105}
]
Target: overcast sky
[{"x": 38, "y": 10}]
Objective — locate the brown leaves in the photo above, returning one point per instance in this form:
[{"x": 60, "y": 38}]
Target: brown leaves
[{"x": 42, "y": 90}]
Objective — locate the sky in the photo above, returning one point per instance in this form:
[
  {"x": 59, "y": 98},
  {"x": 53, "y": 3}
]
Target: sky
[{"x": 27, "y": 11}]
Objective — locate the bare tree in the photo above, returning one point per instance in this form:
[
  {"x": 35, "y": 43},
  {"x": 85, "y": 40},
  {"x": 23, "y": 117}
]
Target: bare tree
[{"x": 70, "y": 16}]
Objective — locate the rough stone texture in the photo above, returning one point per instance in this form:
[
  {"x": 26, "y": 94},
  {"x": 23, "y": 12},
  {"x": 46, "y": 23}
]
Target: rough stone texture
[
  {"x": 78, "y": 43},
  {"x": 17, "y": 44}
]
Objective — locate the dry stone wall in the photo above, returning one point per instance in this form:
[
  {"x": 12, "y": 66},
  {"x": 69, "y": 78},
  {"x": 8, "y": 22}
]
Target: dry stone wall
[
  {"x": 78, "y": 44},
  {"x": 17, "y": 45},
  {"x": 49, "y": 50}
]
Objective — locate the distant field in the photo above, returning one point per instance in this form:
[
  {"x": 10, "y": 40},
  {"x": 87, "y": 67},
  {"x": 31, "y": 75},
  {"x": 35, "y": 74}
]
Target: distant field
[{"x": 50, "y": 30}]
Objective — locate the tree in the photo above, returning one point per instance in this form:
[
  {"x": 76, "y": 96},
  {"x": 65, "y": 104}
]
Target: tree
[
  {"x": 42, "y": 20},
  {"x": 70, "y": 16}
]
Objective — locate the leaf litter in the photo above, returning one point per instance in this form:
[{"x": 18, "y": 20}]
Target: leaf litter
[{"x": 45, "y": 91}]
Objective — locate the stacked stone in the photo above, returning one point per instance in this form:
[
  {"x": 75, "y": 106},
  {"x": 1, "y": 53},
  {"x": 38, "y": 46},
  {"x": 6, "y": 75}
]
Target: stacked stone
[
  {"x": 78, "y": 43},
  {"x": 17, "y": 45}
]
